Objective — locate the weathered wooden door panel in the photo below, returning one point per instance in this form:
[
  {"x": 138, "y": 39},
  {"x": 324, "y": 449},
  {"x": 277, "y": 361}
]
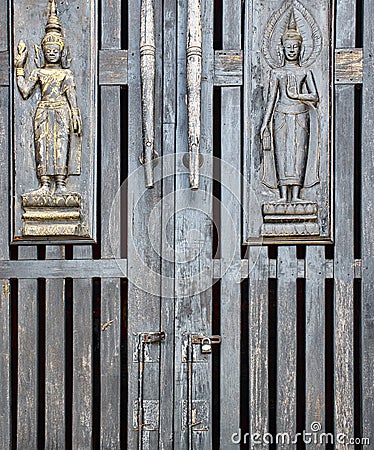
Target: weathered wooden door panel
[{"x": 168, "y": 332}]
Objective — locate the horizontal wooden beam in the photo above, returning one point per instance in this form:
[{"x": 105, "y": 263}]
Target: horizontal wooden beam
[
  {"x": 228, "y": 68},
  {"x": 349, "y": 64},
  {"x": 117, "y": 268}
]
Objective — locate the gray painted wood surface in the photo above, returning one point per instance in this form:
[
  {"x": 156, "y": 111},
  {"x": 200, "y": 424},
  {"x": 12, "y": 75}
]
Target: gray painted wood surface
[
  {"x": 367, "y": 304},
  {"x": 286, "y": 343},
  {"x": 193, "y": 236},
  {"x": 27, "y": 401},
  {"x": 82, "y": 357},
  {"x": 55, "y": 357},
  {"x": 258, "y": 341},
  {"x": 167, "y": 307},
  {"x": 110, "y": 338},
  {"x": 144, "y": 244},
  {"x": 315, "y": 365},
  {"x": 229, "y": 237},
  {"x": 344, "y": 229},
  {"x": 157, "y": 243},
  {"x": 5, "y": 317}
]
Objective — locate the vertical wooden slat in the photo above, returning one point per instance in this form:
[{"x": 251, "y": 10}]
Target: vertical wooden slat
[
  {"x": 287, "y": 343},
  {"x": 168, "y": 188},
  {"x": 315, "y": 337},
  {"x": 258, "y": 341},
  {"x": 193, "y": 238},
  {"x": 55, "y": 357},
  {"x": 344, "y": 228},
  {"x": 5, "y": 352},
  {"x": 82, "y": 357},
  {"x": 367, "y": 409},
  {"x": 110, "y": 363},
  {"x": 27, "y": 407},
  {"x": 144, "y": 246},
  {"x": 5, "y": 412},
  {"x": 230, "y": 236}
]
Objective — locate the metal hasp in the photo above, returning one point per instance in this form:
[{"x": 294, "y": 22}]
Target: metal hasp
[
  {"x": 197, "y": 411},
  {"x": 194, "y": 68},
  {"x": 145, "y": 411},
  {"x": 148, "y": 79}
]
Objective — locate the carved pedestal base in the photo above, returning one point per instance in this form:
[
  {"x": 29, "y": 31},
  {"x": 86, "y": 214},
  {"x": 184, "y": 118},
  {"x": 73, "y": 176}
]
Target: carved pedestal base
[
  {"x": 52, "y": 215},
  {"x": 290, "y": 219}
]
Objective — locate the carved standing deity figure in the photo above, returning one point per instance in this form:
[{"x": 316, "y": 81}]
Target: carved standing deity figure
[
  {"x": 286, "y": 124},
  {"x": 57, "y": 121}
]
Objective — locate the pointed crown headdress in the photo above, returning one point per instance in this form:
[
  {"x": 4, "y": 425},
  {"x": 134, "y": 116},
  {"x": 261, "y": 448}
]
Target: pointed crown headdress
[
  {"x": 53, "y": 28},
  {"x": 292, "y": 31}
]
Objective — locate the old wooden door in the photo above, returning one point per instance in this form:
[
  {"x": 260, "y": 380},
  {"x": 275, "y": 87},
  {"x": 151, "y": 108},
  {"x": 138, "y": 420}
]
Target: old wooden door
[{"x": 179, "y": 299}]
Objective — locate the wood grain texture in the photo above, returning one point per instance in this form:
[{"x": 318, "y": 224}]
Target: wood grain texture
[
  {"x": 82, "y": 357},
  {"x": 230, "y": 235},
  {"x": 5, "y": 342},
  {"x": 55, "y": 357},
  {"x": 5, "y": 374},
  {"x": 367, "y": 312},
  {"x": 343, "y": 265},
  {"x": 315, "y": 363},
  {"x": 167, "y": 309},
  {"x": 4, "y": 68},
  {"x": 228, "y": 67},
  {"x": 112, "y": 67},
  {"x": 27, "y": 401},
  {"x": 349, "y": 65},
  {"x": 110, "y": 342},
  {"x": 344, "y": 229},
  {"x": 78, "y": 269},
  {"x": 258, "y": 341},
  {"x": 144, "y": 242},
  {"x": 287, "y": 344},
  {"x": 110, "y": 363},
  {"x": 193, "y": 239}
]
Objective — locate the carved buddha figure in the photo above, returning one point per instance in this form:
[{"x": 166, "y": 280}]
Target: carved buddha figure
[
  {"x": 286, "y": 124},
  {"x": 57, "y": 121}
]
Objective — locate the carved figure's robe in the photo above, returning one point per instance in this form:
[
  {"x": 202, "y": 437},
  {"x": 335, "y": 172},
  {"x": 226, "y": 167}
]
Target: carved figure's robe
[
  {"x": 58, "y": 149},
  {"x": 294, "y": 157}
]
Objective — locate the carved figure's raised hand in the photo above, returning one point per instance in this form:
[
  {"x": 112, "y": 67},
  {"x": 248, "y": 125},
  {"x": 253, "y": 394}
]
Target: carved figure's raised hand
[
  {"x": 21, "y": 56},
  {"x": 292, "y": 90}
]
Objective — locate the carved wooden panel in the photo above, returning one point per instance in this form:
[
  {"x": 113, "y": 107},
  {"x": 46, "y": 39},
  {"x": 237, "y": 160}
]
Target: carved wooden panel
[
  {"x": 54, "y": 120},
  {"x": 287, "y": 83}
]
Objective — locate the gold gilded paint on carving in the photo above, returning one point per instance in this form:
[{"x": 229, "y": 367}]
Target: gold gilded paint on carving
[{"x": 57, "y": 127}]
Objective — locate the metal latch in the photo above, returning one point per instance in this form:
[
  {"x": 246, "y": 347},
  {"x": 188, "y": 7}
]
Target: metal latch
[
  {"x": 156, "y": 336},
  {"x": 144, "y": 351}
]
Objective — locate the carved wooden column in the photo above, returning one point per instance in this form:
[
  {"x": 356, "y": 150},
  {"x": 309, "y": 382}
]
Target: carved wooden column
[
  {"x": 194, "y": 65},
  {"x": 148, "y": 77}
]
